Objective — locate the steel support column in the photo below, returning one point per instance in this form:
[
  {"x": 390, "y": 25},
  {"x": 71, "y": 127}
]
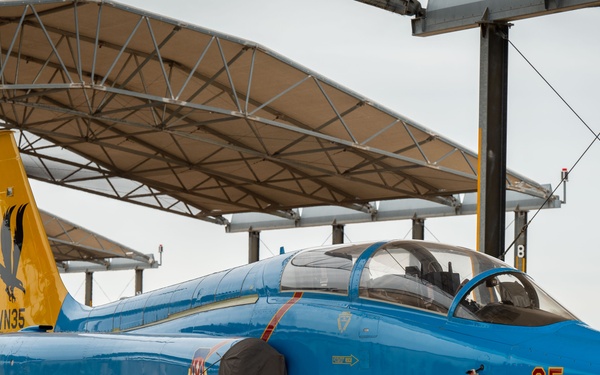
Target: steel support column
[
  {"x": 253, "y": 246},
  {"x": 139, "y": 282},
  {"x": 89, "y": 287},
  {"x": 418, "y": 229},
  {"x": 521, "y": 240},
  {"x": 492, "y": 138},
  {"x": 337, "y": 234}
]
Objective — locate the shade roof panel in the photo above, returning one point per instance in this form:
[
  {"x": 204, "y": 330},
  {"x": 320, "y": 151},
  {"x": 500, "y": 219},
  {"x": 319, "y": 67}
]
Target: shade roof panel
[{"x": 150, "y": 110}]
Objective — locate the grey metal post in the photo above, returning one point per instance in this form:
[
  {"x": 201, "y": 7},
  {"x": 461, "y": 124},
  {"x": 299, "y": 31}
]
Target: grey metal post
[
  {"x": 253, "y": 246},
  {"x": 521, "y": 240},
  {"x": 139, "y": 282},
  {"x": 492, "y": 138},
  {"x": 418, "y": 229},
  {"x": 337, "y": 234},
  {"x": 89, "y": 286}
]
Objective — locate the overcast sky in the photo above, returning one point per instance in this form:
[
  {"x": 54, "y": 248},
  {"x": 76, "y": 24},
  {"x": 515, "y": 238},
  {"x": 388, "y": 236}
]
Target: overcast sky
[{"x": 433, "y": 81}]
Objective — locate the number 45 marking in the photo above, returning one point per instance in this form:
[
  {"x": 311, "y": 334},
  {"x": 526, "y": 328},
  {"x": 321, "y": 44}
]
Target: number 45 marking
[{"x": 551, "y": 371}]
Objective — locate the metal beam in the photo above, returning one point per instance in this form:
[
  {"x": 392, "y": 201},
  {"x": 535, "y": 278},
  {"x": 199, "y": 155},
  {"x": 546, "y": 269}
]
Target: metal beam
[
  {"x": 443, "y": 16},
  {"x": 337, "y": 234},
  {"x": 493, "y": 96},
  {"x": 89, "y": 288},
  {"x": 404, "y": 7},
  {"x": 139, "y": 281},
  {"x": 418, "y": 229},
  {"x": 520, "y": 248},
  {"x": 399, "y": 209},
  {"x": 115, "y": 264},
  {"x": 253, "y": 246}
]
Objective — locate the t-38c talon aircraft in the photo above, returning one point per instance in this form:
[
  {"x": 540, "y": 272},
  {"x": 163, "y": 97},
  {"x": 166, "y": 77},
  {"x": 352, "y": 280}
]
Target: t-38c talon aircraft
[{"x": 400, "y": 307}]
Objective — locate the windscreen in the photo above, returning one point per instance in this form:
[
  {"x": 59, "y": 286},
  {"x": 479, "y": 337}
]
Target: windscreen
[{"x": 321, "y": 270}]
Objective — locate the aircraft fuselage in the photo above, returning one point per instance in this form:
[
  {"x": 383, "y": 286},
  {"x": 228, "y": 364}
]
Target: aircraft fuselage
[{"x": 325, "y": 331}]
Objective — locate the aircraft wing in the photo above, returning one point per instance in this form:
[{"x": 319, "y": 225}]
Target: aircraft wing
[{"x": 37, "y": 352}]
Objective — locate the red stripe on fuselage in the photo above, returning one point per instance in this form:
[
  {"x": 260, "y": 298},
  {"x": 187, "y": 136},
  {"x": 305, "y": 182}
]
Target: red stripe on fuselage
[{"x": 278, "y": 315}]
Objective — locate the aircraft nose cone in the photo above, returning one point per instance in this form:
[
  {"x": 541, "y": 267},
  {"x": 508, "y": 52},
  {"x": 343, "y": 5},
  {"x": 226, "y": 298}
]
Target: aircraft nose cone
[{"x": 573, "y": 347}]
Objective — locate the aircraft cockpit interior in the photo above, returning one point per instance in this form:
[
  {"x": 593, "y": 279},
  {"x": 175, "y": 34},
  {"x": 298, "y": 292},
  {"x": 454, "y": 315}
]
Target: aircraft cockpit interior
[
  {"x": 427, "y": 276},
  {"x": 511, "y": 298}
]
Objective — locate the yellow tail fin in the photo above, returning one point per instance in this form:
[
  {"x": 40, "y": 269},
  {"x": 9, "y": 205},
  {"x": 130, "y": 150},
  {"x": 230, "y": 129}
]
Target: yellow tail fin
[{"x": 31, "y": 291}]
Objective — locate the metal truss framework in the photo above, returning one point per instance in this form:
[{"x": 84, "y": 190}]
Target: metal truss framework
[
  {"x": 145, "y": 109},
  {"x": 77, "y": 249},
  {"x": 400, "y": 209}
]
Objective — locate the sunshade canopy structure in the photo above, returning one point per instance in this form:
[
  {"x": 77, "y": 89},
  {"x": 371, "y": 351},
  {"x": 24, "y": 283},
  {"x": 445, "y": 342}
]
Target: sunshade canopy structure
[
  {"x": 78, "y": 249},
  {"x": 146, "y": 109}
]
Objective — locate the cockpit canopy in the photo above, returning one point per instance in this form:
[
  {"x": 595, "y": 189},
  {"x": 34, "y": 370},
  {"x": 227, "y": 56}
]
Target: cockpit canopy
[
  {"x": 428, "y": 276},
  {"x": 510, "y": 298}
]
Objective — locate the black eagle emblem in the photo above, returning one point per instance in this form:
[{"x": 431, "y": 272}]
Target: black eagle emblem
[{"x": 11, "y": 250}]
